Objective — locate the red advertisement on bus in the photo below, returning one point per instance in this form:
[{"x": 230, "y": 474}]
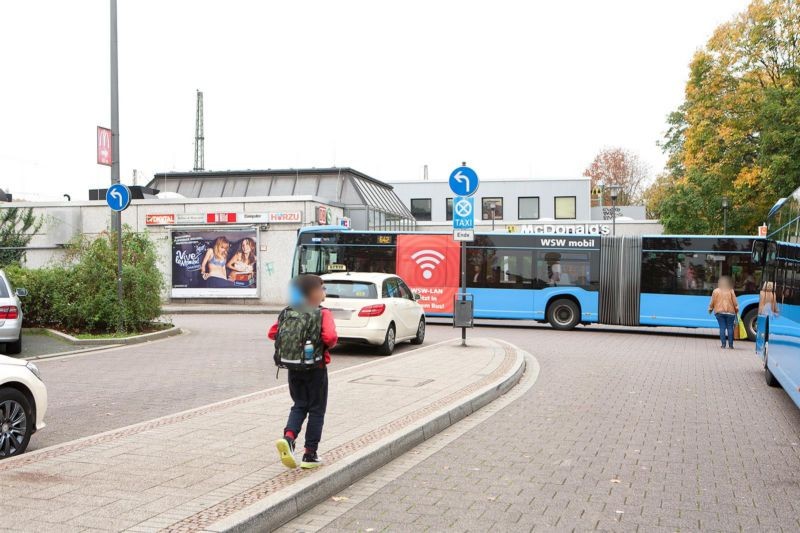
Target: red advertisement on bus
[{"x": 430, "y": 266}]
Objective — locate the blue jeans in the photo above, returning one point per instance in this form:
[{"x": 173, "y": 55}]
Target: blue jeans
[{"x": 726, "y": 323}]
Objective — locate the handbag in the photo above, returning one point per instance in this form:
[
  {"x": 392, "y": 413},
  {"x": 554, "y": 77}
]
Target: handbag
[{"x": 740, "y": 331}]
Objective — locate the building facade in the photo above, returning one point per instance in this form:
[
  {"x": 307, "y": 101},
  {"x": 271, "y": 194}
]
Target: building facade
[
  {"x": 226, "y": 236},
  {"x": 530, "y": 205}
]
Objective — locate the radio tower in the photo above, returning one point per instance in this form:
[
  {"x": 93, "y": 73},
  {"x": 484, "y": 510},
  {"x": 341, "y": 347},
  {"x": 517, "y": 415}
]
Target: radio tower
[{"x": 199, "y": 138}]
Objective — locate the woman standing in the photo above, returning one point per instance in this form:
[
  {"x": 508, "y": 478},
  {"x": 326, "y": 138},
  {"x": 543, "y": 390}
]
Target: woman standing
[{"x": 725, "y": 307}]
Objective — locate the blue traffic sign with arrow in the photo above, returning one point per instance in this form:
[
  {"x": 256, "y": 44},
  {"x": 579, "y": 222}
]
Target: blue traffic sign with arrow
[
  {"x": 118, "y": 197},
  {"x": 463, "y": 181}
]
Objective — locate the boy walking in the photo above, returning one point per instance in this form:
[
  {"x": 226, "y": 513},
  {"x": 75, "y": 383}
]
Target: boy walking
[{"x": 303, "y": 334}]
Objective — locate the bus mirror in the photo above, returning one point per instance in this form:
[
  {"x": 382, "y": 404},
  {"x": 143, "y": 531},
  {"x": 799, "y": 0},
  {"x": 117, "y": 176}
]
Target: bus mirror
[
  {"x": 758, "y": 252},
  {"x": 772, "y": 251}
]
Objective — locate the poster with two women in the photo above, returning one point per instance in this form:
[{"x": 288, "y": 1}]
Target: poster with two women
[{"x": 214, "y": 263}]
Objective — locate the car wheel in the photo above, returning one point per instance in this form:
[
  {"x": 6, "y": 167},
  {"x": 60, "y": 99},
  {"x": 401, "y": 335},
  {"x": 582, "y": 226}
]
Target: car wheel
[
  {"x": 16, "y": 422},
  {"x": 769, "y": 377},
  {"x": 13, "y": 348},
  {"x": 420, "y": 336},
  {"x": 563, "y": 314},
  {"x": 388, "y": 342},
  {"x": 750, "y": 320}
]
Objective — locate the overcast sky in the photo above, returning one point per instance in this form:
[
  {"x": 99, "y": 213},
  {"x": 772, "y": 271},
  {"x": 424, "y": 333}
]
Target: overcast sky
[{"x": 516, "y": 89}]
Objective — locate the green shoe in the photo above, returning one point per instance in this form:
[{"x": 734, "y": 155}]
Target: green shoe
[{"x": 286, "y": 450}]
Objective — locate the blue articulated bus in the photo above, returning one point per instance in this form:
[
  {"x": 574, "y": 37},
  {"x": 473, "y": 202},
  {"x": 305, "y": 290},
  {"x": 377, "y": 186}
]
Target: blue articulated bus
[
  {"x": 566, "y": 280},
  {"x": 779, "y": 318}
]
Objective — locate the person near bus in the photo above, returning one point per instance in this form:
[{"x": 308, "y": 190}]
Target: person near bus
[
  {"x": 767, "y": 301},
  {"x": 725, "y": 307}
]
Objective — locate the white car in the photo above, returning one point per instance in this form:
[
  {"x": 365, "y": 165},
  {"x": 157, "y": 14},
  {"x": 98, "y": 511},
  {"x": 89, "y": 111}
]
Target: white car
[
  {"x": 10, "y": 315},
  {"x": 23, "y": 403},
  {"x": 376, "y": 309}
]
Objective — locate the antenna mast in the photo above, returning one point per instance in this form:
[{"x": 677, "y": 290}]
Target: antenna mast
[{"x": 199, "y": 137}]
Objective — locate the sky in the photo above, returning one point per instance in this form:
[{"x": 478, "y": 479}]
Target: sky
[{"x": 517, "y": 89}]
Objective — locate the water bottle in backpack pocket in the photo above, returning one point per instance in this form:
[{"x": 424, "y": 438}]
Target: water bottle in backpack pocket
[{"x": 298, "y": 345}]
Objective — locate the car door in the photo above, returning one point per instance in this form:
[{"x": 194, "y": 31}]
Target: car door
[
  {"x": 394, "y": 303},
  {"x": 408, "y": 309}
]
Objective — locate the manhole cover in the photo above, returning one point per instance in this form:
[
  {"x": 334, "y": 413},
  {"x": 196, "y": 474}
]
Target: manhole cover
[{"x": 392, "y": 381}]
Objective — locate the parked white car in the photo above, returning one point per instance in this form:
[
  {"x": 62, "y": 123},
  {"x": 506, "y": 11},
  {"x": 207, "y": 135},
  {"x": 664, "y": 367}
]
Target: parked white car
[
  {"x": 375, "y": 309},
  {"x": 10, "y": 315},
  {"x": 23, "y": 403}
]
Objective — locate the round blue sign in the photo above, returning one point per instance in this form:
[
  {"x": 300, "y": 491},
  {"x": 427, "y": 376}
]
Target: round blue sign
[
  {"x": 118, "y": 197},
  {"x": 463, "y": 181}
]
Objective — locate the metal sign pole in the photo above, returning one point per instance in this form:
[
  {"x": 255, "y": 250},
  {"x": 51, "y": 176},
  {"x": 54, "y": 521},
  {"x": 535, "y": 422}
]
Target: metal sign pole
[
  {"x": 116, "y": 215},
  {"x": 463, "y": 286}
]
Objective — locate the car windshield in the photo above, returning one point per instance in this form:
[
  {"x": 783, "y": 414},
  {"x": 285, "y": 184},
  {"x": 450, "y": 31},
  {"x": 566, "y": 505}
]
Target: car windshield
[{"x": 350, "y": 289}]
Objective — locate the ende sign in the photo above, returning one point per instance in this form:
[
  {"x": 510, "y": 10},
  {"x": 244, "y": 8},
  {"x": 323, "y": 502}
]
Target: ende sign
[{"x": 564, "y": 229}]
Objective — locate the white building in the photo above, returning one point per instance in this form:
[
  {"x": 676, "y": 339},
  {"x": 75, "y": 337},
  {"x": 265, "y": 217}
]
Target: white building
[
  {"x": 258, "y": 210},
  {"x": 544, "y": 205}
]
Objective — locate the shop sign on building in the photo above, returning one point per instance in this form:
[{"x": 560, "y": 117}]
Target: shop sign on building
[{"x": 184, "y": 219}]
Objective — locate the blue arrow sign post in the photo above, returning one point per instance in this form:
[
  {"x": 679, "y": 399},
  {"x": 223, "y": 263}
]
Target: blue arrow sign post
[
  {"x": 463, "y": 182},
  {"x": 118, "y": 197}
]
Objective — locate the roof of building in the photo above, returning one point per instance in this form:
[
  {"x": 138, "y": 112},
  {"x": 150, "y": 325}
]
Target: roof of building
[
  {"x": 345, "y": 186},
  {"x": 493, "y": 180}
]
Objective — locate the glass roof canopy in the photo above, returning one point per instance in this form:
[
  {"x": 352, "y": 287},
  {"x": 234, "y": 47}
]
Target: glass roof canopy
[{"x": 370, "y": 203}]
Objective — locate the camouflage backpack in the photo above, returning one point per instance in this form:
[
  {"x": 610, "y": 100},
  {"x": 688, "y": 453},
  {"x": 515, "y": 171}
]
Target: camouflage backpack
[{"x": 296, "y": 325}]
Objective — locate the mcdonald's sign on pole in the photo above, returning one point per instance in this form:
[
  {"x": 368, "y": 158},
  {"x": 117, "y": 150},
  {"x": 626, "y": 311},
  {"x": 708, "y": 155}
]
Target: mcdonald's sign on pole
[{"x": 104, "y": 152}]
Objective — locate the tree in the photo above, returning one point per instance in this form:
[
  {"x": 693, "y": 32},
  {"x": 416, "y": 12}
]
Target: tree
[
  {"x": 17, "y": 228},
  {"x": 737, "y": 134},
  {"x": 617, "y": 166}
]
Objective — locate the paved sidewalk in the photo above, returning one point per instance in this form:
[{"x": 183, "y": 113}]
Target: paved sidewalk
[{"x": 213, "y": 468}]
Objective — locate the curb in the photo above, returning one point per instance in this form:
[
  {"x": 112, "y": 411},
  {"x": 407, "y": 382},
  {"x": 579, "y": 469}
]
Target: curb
[
  {"x": 133, "y": 339},
  {"x": 274, "y": 511},
  {"x": 222, "y": 311}
]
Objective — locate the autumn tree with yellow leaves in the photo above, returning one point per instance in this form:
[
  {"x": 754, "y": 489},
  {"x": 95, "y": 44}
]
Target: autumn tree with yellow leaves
[{"x": 737, "y": 134}]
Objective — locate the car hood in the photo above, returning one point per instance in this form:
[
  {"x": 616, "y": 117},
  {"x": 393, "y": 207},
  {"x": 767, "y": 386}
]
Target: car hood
[{"x": 4, "y": 360}]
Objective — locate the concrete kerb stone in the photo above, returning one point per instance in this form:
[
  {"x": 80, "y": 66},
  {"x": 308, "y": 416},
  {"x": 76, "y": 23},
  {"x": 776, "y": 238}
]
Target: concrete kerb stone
[
  {"x": 277, "y": 509},
  {"x": 133, "y": 339}
]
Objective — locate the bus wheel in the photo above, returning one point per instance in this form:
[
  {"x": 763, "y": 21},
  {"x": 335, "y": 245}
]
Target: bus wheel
[
  {"x": 563, "y": 314},
  {"x": 750, "y": 320},
  {"x": 768, "y": 376}
]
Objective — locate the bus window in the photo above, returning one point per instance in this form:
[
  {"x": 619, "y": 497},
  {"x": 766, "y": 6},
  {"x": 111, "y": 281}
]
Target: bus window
[{"x": 507, "y": 268}]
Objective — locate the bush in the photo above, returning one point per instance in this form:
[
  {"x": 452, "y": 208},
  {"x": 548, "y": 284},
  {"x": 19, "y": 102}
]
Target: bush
[{"x": 81, "y": 295}]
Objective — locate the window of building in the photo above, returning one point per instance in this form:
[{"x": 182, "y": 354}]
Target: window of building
[
  {"x": 565, "y": 207},
  {"x": 421, "y": 209},
  {"x": 528, "y": 207},
  {"x": 448, "y": 209},
  {"x": 492, "y": 204}
]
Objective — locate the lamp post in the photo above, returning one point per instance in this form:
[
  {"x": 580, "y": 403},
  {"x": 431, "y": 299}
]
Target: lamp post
[
  {"x": 725, "y": 205},
  {"x": 492, "y": 207},
  {"x": 614, "y": 193}
]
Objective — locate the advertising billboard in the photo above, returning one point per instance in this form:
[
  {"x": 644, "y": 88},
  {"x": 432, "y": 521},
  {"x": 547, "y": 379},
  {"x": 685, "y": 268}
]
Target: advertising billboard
[
  {"x": 430, "y": 266},
  {"x": 214, "y": 263}
]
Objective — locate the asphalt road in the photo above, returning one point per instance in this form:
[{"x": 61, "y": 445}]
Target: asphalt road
[{"x": 221, "y": 357}]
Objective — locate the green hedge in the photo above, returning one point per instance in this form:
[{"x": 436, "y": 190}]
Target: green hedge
[{"x": 80, "y": 295}]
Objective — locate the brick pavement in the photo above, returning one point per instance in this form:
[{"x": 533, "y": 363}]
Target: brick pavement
[
  {"x": 621, "y": 432},
  {"x": 220, "y": 357},
  {"x": 184, "y": 472}
]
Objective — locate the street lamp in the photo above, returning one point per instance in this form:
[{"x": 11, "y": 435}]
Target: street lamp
[
  {"x": 614, "y": 193},
  {"x": 492, "y": 207},
  {"x": 725, "y": 205}
]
